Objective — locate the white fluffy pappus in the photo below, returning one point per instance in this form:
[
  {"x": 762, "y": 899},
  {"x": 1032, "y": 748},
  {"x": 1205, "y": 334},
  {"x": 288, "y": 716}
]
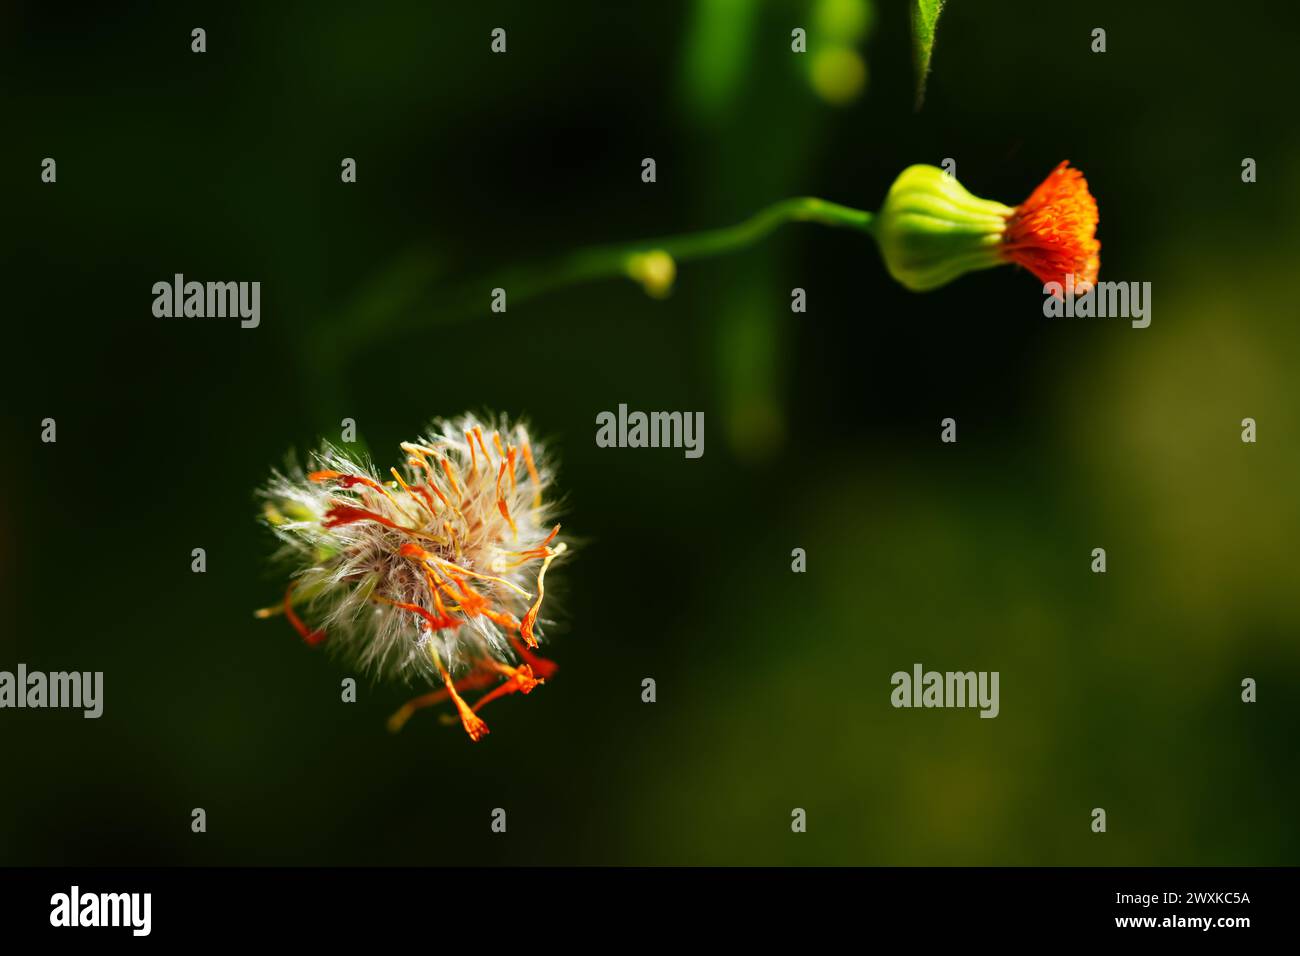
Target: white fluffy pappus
[{"x": 435, "y": 571}]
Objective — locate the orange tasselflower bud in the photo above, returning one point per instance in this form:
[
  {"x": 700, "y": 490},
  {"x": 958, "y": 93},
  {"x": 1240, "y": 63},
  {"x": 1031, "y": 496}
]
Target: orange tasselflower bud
[{"x": 931, "y": 230}]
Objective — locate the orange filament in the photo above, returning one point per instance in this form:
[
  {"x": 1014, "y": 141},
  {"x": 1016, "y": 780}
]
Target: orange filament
[
  {"x": 407, "y": 710},
  {"x": 411, "y": 550},
  {"x": 418, "y": 458},
  {"x": 416, "y": 449},
  {"x": 501, "y": 502},
  {"x": 478, "y": 433},
  {"x": 438, "y": 606},
  {"x": 472, "y": 724},
  {"x": 472, "y": 681},
  {"x": 502, "y": 618},
  {"x": 447, "y": 468},
  {"x": 451, "y": 536},
  {"x": 473, "y": 455},
  {"x": 430, "y": 573},
  {"x": 532, "y": 468},
  {"x": 509, "y": 456},
  {"x": 426, "y": 502},
  {"x": 349, "y": 514},
  {"x": 530, "y": 619},
  {"x": 350, "y": 481},
  {"x": 347, "y": 481},
  {"x": 519, "y": 679},
  {"x": 433, "y": 623},
  {"x": 541, "y": 666},
  {"x": 312, "y": 638},
  {"x": 538, "y": 552},
  {"x": 471, "y": 602}
]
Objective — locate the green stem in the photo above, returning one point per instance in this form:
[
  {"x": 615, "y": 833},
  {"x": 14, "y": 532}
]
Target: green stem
[
  {"x": 584, "y": 265},
  {"x": 615, "y": 260}
]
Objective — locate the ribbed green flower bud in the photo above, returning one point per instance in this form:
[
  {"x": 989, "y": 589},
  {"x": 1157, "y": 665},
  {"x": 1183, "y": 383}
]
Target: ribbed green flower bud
[{"x": 931, "y": 230}]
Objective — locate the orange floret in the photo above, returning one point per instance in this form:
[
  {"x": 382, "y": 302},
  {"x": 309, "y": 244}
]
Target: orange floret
[{"x": 1053, "y": 233}]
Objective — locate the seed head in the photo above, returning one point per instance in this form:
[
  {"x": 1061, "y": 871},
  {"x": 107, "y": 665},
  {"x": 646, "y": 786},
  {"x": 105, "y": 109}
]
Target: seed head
[{"x": 434, "y": 572}]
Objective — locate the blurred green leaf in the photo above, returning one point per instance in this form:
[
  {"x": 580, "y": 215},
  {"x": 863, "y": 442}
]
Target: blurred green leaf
[
  {"x": 718, "y": 53},
  {"x": 925, "y": 17}
]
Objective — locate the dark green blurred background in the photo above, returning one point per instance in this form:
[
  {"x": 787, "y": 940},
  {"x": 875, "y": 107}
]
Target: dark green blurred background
[{"x": 1118, "y": 690}]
